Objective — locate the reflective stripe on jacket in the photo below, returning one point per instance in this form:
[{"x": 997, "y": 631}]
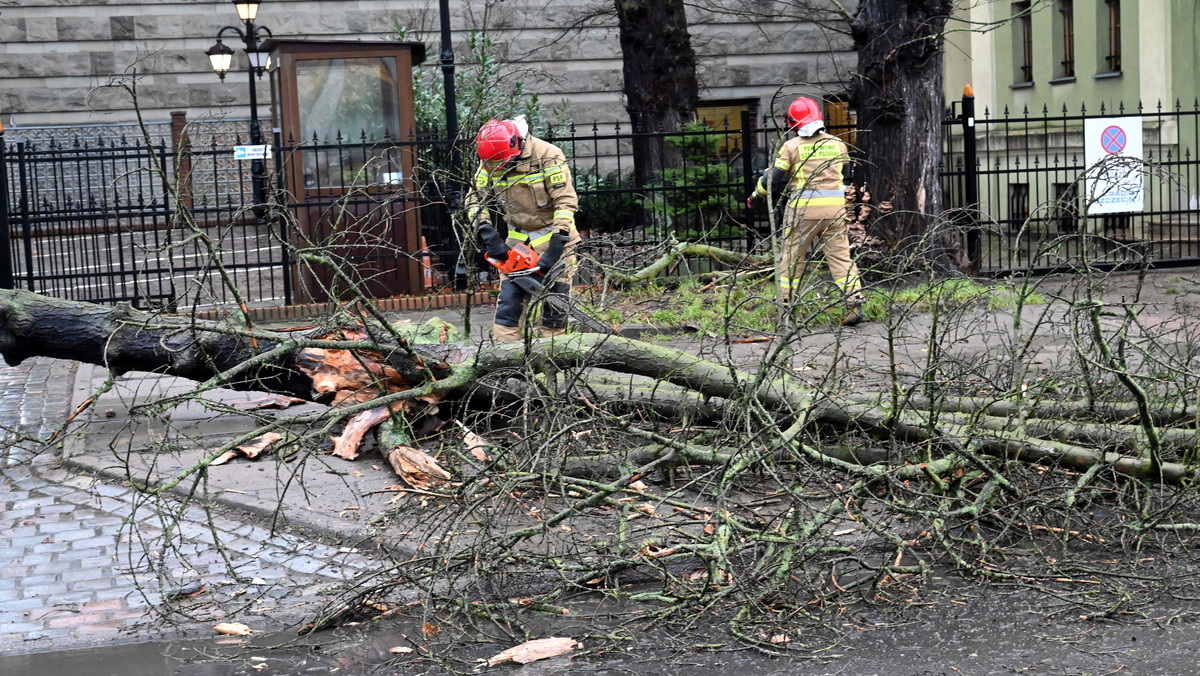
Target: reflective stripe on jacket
[
  {"x": 813, "y": 167},
  {"x": 534, "y": 191}
]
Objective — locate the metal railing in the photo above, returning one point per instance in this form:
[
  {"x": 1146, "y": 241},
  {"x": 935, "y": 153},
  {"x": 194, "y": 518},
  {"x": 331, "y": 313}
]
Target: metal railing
[
  {"x": 170, "y": 223},
  {"x": 1021, "y": 185}
]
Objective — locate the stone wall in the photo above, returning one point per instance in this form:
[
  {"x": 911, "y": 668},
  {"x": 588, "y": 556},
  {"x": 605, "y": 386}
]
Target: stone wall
[{"x": 83, "y": 62}]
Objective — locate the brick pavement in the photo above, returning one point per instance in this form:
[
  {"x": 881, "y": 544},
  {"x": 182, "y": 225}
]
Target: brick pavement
[{"x": 85, "y": 560}]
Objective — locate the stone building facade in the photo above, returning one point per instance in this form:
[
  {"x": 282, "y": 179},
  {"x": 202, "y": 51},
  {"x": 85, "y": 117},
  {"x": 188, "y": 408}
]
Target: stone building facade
[{"x": 82, "y": 62}]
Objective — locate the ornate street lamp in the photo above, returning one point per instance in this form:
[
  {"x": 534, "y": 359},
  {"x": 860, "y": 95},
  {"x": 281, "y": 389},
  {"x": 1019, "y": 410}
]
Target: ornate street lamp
[{"x": 221, "y": 57}]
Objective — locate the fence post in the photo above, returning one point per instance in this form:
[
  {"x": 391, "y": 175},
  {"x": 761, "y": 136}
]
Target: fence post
[
  {"x": 181, "y": 148},
  {"x": 6, "y": 271},
  {"x": 971, "y": 178},
  {"x": 26, "y": 228},
  {"x": 748, "y": 178},
  {"x": 282, "y": 205}
]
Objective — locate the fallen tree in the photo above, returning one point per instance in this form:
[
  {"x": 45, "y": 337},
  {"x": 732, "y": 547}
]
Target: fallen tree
[{"x": 591, "y": 462}]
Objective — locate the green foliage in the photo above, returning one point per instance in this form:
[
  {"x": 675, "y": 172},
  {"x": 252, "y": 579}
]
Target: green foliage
[
  {"x": 606, "y": 203},
  {"x": 693, "y": 200},
  {"x": 749, "y": 307},
  {"x": 485, "y": 88},
  {"x": 963, "y": 292}
]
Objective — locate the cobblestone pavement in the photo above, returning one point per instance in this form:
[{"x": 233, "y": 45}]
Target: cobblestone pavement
[{"x": 86, "y": 561}]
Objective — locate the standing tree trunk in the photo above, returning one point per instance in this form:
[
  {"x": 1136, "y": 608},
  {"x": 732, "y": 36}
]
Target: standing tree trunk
[
  {"x": 898, "y": 97},
  {"x": 660, "y": 76}
]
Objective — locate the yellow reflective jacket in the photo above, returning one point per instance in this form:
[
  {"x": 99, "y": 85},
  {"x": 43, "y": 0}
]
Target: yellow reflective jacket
[
  {"x": 812, "y": 169},
  {"x": 534, "y": 192}
]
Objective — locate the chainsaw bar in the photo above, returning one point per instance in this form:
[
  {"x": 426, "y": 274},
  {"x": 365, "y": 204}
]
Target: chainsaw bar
[{"x": 560, "y": 302}]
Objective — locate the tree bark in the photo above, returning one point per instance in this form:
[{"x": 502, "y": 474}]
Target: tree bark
[
  {"x": 661, "y": 89},
  {"x": 898, "y": 98}
]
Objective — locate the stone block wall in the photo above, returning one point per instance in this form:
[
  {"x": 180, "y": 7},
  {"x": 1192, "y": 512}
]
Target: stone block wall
[{"x": 84, "y": 62}]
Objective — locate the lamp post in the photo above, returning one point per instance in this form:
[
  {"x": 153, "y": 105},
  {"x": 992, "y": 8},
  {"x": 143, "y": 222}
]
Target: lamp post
[{"x": 221, "y": 57}]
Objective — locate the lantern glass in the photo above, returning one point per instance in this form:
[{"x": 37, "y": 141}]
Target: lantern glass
[
  {"x": 247, "y": 11},
  {"x": 221, "y": 57},
  {"x": 259, "y": 60}
]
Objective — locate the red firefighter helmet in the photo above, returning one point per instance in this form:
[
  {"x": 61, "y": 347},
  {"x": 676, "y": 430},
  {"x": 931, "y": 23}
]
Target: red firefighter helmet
[
  {"x": 802, "y": 112},
  {"x": 498, "y": 141}
]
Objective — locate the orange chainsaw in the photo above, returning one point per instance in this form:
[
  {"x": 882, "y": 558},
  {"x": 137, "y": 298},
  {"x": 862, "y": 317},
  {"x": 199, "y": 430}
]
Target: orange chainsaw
[{"x": 534, "y": 274}]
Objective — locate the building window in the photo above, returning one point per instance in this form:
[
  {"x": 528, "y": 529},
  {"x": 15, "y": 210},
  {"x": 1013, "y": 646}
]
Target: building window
[
  {"x": 1110, "y": 57},
  {"x": 1065, "y": 213},
  {"x": 840, "y": 118},
  {"x": 1022, "y": 43},
  {"x": 725, "y": 118},
  {"x": 1064, "y": 44},
  {"x": 1018, "y": 204}
]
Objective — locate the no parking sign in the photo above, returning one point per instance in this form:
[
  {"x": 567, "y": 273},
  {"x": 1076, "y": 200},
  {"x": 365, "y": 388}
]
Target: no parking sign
[{"x": 1113, "y": 153}]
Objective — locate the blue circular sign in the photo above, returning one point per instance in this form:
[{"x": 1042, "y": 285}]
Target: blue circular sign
[{"x": 1113, "y": 140}]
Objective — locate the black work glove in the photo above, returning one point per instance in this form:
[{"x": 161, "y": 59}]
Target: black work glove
[
  {"x": 493, "y": 243},
  {"x": 554, "y": 252},
  {"x": 754, "y": 203}
]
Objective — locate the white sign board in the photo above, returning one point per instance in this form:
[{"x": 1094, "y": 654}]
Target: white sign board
[
  {"x": 260, "y": 152},
  {"x": 1114, "y": 182}
]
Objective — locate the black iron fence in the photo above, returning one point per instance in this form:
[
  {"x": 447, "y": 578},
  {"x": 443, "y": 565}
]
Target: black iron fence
[
  {"x": 130, "y": 219},
  {"x": 168, "y": 221},
  {"x": 1034, "y": 198}
]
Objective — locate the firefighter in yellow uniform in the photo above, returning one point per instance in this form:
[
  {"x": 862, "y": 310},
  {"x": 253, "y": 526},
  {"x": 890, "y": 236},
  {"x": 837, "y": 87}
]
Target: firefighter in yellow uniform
[
  {"x": 808, "y": 174},
  {"x": 528, "y": 180}
]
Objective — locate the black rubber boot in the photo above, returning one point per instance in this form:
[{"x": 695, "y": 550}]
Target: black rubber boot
[{"x": 854, "y": 316}]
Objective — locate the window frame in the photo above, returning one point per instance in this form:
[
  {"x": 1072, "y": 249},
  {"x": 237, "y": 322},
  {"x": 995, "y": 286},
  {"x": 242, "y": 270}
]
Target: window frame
[
  {"x": 1065, "y": 46},
  {"x": 1111, "y": 61},
  {"x": 1022, "y": 43}
]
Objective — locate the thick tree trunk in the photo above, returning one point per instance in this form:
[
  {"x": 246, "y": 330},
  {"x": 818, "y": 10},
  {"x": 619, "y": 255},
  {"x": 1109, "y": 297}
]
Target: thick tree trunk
[
  {"x": 660, "y": 77},
  {"x": 123, "y": 339},
  {"x": 898, "y": 97}
]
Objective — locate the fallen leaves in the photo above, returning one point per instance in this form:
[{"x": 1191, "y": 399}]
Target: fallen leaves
[
  {"x": 416, "y": 467},
  {"x": 249, "y": 450},
  {"x": 537, "y": 649},
  {"x": 232, "y": 629},
  {"x": 269, "y": 401},
  {"x": 348, "y": 443},
  {"x": 477, "y": 446}
]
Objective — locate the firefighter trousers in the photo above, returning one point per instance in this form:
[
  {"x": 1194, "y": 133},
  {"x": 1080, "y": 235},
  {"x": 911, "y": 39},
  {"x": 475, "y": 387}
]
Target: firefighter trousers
[
  {"x": 826, "y": 226},
  {"x": 512, "y": 306}
]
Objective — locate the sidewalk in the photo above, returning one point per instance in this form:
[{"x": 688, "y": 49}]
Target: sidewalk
[
  {"x": 87, "y": 557},
  {"x": 77, "y": 573}
]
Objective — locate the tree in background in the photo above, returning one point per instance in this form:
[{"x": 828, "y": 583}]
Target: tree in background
[
  {"x": 661, "y": 89},
  {"x": 897, "y": 94}
]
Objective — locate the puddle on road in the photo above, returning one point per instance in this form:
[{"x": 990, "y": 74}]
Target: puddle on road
[{"x": 991, "y": 633}]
